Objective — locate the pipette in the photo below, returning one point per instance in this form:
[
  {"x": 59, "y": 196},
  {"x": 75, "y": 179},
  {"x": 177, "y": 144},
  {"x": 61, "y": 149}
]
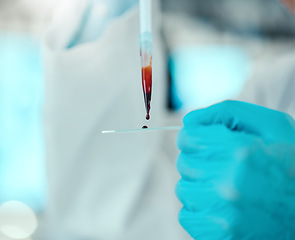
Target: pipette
[
  {"x": 146, "y": 43},
  {"x": 170, "y": 128}
]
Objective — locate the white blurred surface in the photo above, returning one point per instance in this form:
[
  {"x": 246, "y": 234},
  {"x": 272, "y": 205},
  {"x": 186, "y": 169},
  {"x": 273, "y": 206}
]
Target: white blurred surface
[
  {"x": 17, "y": 220},
  {"x": 26, "y": 15}
]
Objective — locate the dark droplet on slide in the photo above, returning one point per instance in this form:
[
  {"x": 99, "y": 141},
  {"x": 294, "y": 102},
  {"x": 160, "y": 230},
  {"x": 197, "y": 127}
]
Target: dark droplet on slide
[{"x": 144, "y": 127}]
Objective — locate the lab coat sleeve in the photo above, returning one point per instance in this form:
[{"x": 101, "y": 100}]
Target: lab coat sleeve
[
  {"x": 273, "y": 84},
  {"x": 105, "y": 186}
]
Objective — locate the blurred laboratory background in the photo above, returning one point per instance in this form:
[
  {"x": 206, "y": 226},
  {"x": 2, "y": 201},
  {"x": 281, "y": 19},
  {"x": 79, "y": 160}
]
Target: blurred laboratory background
[
  {"x": 22, "y": 164},
  {"x": 213, "y": 48},
  {"x": 221, "y": 44}
]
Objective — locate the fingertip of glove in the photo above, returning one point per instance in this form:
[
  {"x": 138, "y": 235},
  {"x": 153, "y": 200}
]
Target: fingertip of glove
[
  {"x": 183, "y": 215},
  {"x": 182, "y": 138},
  {"x": 193, "y": 117},
  {"x": 177, "y": 189},
  {"x": 178, "y": 163},
  {"x": 200, "y": 115},
  {"x": 188, "y": 138}
]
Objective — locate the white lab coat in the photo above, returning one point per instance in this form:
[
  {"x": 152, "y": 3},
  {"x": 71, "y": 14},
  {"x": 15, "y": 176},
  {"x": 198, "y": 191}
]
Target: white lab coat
[
  {"x": 118, "y": 186},
  {"x": 273, "y": 84}
]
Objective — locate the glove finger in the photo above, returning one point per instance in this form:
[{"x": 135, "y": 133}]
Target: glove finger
[
  {"x": 237, "y": 116},
  {"x": 204, "y": 224},
  {"x": 196, "y": 196},
  {"x": 210, "y": 150},
  {"x": 202, "y": 166},
  {"x": 196, "y": 139}
]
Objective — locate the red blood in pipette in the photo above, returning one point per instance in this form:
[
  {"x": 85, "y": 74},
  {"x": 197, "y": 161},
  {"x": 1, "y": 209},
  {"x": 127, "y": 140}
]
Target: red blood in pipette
[
  {"x": 143, "y": 127},
  {"x": 147, "y": 88}
]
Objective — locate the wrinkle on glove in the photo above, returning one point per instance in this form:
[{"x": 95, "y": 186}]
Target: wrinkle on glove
[{"x": 237, "y": 165}]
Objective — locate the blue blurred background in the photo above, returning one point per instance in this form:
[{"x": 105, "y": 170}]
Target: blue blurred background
[
  {"x": 205, "y": 75},
  {"x": 22, "y": 147},
  {"x": 22, "y": 171}
]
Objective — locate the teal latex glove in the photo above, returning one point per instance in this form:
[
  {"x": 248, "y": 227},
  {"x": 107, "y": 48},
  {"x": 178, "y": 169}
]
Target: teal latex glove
[{"x": 237, "y": 164}]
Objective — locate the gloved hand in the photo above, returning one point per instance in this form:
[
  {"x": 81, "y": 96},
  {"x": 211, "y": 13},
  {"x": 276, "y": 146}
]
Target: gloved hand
[{"x": 237, "y": 165}]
